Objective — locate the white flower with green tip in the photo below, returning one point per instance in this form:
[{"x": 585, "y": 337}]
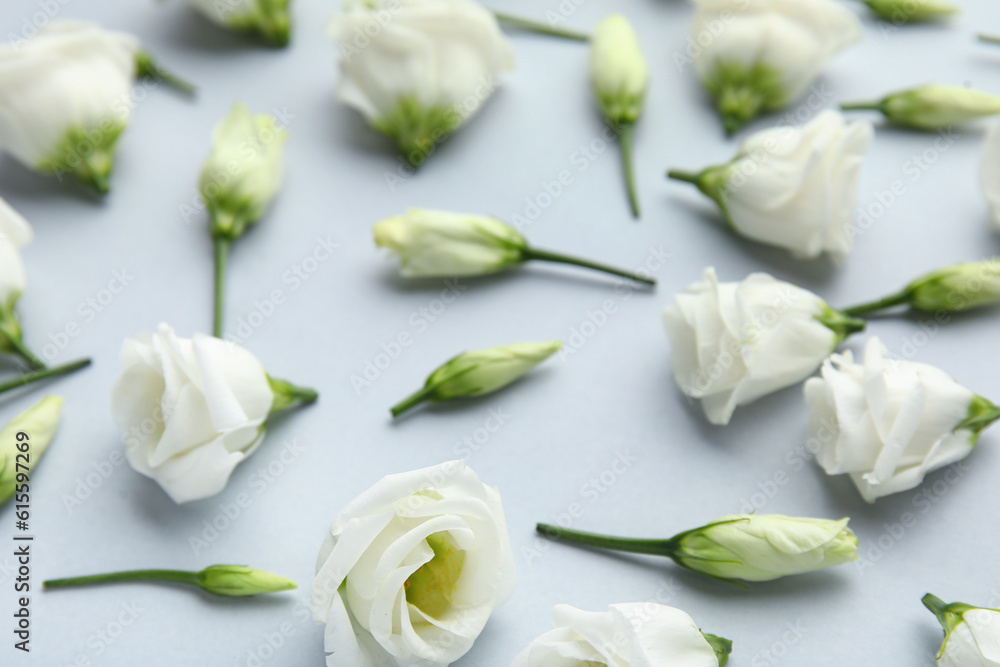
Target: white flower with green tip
[
  {"x": 763, "y": 54},
  {"x": 66, "y": 97},
  {"x": 424, "y": 68},
  {"x": 971, "y": 634},
  {"x": 269, "y": 19}
]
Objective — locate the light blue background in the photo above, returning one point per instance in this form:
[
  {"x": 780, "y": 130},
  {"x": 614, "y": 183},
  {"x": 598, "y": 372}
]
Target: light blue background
[{"x": 611, "y": 397}]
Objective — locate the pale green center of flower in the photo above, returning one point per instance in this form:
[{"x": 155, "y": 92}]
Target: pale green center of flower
[{"x": 431, "y": 588}]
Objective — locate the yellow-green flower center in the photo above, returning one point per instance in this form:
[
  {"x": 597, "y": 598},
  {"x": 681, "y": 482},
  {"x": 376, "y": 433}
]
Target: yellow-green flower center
[{"x": 431, "y": 588}]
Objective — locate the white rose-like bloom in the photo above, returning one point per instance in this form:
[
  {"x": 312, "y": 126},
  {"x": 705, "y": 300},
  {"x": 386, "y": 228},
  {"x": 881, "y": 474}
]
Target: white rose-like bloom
[
  {"x": 733, "y": 343},
  {"x": 193, "y": 409},
  {"x": 439, "y": 243},
  {"x": 429, "y": 67},
  {"x": 760, "y": 55},
  {"x": 989, "y": 172},
  {"x": 243, "y": 171},
  {"x": 889, "y": 423},
  {"x": 637, "y": 634},
  {"x": 794, "y": 188},
  {"x": 267, "y": 18},
  {"x": 65, "y": 97},
  {"x": 15, "y": 233},
  {"x": 972, "y": 634},
  {"x": 412, "y": 569}
]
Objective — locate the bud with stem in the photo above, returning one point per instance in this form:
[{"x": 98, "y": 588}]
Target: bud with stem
[{"x": 222, "y": 580}]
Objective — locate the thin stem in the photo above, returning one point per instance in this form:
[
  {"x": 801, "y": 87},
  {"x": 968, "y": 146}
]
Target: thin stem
[
  {"x": 938, "y": 606},
  {"x": 625, "y": 138},
  {"x": 685, "y": 176},
  {"x": 989, "y": 39},
  {"x": 146, "y": 67},
  {"x": 539, "y": 27},
  {"x": 287, "y": 395},
  {"x": 221, "y": 255},
  {"x": 36, "y": 376},
  {"x": 653, "y": 547},
  {"x": 862, "y": 106},
  {"x": 22, "y": 351},
  {"x": 173, "y": 576},
  {"x": 881, "y": 304},
  {"x": 546, "y": 256},
  {"x": 412, "y": 401}
]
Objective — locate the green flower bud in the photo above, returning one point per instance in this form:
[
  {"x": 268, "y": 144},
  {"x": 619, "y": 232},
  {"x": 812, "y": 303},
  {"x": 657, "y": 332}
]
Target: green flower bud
[
  {"x": 956, "y": 288},
  {"x": 934, "y": 107},
  {"x": 763, "y": 547},
  {"x": 911, "y": 11},
  {"x": 619, "y": 74},
  {"x": 266, "y": 18},
  {"x": 39, "y": 424},
  {"x": 480, "y": 372},
  {"x": 240, "y": 581}
]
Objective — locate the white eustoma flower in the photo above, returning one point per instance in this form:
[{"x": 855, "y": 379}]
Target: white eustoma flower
[
  {"x": 480, "y": 372},
  {"x": 760, "y": 55},
  {"x": 733, "y": 343},
  {"x": 971, "y": 634},
  {"x": 934, "y": 106},
  {"x": 65, "y": 97},
  {"x": 889, "y": 423},
  {"x": 637, "y": 634},
  {"x": 39, "y": 424},
  {"x": 267, "y": 18},
  {"x": 193, "y": 409},
  {"x": 15, "y": 233},
  {"x": 418, "y": 69},
  {"x": 989, "y": 172},
  {"x": 795, "y": 188},
  {"x": 438, "y": 244},
  {"x": 412, "y": 569},
  {"x": 243, "y": 171}
]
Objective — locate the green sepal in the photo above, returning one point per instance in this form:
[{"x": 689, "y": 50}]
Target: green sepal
[
  {"x": 712, "y": 182},
  {"x": 10, "y": 328},
  {"x": 982, "y": 413},
  {"x": 88, "y": 155},
  {"x": 742, "y": 93},
  {"x": 287, "y": 395},
  {"x": 911, "y": 11},
  {"x": 417, "y": 130},
  {"x": 723, "y": 647},
  {"x": 271, "y": 22},
  {"x": 948, "y": 615},
  {"x": 842, "y": 324}
]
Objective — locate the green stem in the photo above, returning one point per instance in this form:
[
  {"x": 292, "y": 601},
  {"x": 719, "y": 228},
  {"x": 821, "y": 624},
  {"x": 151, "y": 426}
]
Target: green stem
[
  {"x": 862, "y": 106},
  {"x": 625, "y": 138},
  {"x": 628, "y": 545},
  {"x": 685, "y": 176},
  {"x": 172, "y": 576},
  {"x": 221, "y": 255},
  {"x": 989, "y": 39},
  {"x": 36, "y": 376},
  {"x": 873, "y": 306},
  {"x": 545, "y": 256},
  {"x": 412, "y": 401},
  {"x": 541, "y": 28},
  {"x": 146, "y": 67},
  {"x": 22, "y": 351},
  {"x": 938, "y": 606}
]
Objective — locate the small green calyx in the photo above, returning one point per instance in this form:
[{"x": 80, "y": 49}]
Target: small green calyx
[
  {"x": 87, "y": 155},
  {"x": 742, "y": 93},
  {"x": 948, "y": 615},
  {"x": 842, "y": 324},
  {"x": 10, "y": 328},
  {"x": 621, "y": 109},
  {"x": 270, "y": 22},
  {"x": 713, "y": 182},
  {"x": 982, "y": 413},
  {"x": 723, "y": 647},
  {"x": 287, "y": 395},
  {"x": 417, "y": 130},
  {"x": 240, "y": 581},
  {"x": 431, "y": 589}
]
